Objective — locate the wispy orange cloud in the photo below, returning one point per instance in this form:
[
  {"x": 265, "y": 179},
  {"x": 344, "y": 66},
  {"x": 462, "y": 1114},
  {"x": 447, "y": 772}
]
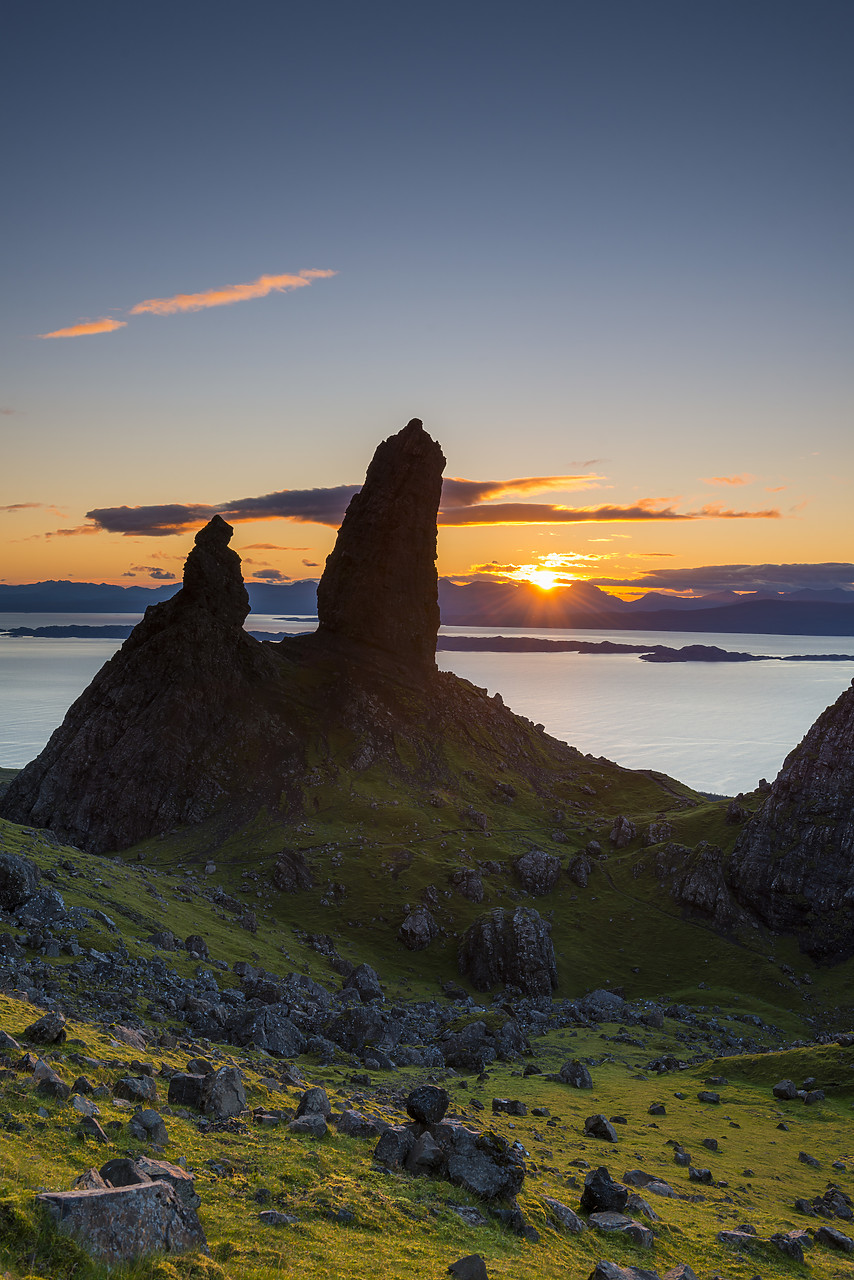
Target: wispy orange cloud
[
  {"x": 550, "y": 513},
  {"x": 746, "y": 478},
  {"x": 86, "y": 327},
  {"x": 228, "y": 294}
]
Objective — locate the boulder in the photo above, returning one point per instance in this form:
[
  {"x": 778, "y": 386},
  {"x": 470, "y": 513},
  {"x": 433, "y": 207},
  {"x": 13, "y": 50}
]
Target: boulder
[
  {"x": 605, "y": 1270},
  {"x": 353, "y": 1029},
  {"x": 49, "y": 1029},
  {"x": 599, "y": 1126},
  {"x": 564, "y": 1216},
  {"x": 579, "y": 870},
  {"x": 268, "y": 1028},
  {"x": 219, "y": 1095},
  {"x": 428, "y": 1104},
  {"x": 471, "y": 1267},
  {"x": 394, "y": 1146},
  {"x": 127, "y": 1222},
  {"x": 576, "y": 1074},
  {"x": 181, "y": 1182},
  {"x": 314, "y": 1102},
  {"x": 418, "y": 929},
  {"x": 484, "y": 1164},
  {"x": 365, "y": 980},
  {"x": 510, "y": 947},
  {"x": 622, "y": 832},
  {"x": 291, "y": 873},
  {"x": 602, "y": 1194},
  {"x": 834, "y": 1239},
  {"x": 136, "y": 1089},
  {"x": 149, "y": 1126},
  {"x": 197, "y": 945},
  {"x": 355, "y": 1125},
  {"x": 18, "y": 881},
  {"x": 537, "y": 872},
  {"x": 312, "y": 1123},
  {"x": 224, "y": 1094}
]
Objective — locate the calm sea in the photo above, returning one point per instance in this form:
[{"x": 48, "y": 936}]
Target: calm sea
[{"x": 716, "y": 726}]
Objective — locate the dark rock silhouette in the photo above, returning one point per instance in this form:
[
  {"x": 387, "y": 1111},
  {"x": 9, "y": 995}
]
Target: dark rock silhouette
[
  {"x": 141, "y": 750},
  {"x": 793, "y": 862},
  {"x": 195, "y": 721},
  {"x": 380, "y": 585}
]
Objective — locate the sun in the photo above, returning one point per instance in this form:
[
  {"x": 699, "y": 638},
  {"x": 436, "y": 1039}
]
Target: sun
[{"x": 545, "y": 579}]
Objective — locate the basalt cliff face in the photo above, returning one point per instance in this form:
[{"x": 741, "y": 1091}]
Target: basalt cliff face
[
  {"x": 193, "y": 717},
  {"x": 793, "y": 862}
]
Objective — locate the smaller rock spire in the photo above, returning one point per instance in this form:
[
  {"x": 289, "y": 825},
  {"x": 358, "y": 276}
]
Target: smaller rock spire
[{"x": 212, "y": 576}]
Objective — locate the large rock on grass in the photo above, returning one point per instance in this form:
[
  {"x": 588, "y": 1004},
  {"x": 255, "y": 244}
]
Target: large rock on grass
[
  {"x": 513, "y": 947},
  {"x": 124, "y": 1223}
]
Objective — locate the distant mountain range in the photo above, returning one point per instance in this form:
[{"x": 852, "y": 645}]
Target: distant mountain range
[{"x": 501, "y": 604}]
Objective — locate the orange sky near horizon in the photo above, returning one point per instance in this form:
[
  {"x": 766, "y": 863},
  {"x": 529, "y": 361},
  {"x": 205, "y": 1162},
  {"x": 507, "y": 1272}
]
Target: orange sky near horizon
[{"x": 41, "y": 542}]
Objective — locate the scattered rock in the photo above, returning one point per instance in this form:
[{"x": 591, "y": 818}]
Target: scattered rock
[
  {"x": 598, "y": 1126},
  {"x": 576, "y": 1074}
]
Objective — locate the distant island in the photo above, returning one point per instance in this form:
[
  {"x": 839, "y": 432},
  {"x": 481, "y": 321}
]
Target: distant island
[{"x": 483, "y": 644}]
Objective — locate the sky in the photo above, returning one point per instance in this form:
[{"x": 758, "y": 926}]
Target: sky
[{"x": 602, "y": 248}]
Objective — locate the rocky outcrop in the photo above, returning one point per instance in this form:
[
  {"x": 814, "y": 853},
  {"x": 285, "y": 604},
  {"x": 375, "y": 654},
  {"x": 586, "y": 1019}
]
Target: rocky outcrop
[
  {"x": 793, "y": 862},
  {"x": 513, "y": 947},
  {"x": 194, "y": 720},
  {"x": 380, "y": 586},
  {"x": 156, "y": 737}
]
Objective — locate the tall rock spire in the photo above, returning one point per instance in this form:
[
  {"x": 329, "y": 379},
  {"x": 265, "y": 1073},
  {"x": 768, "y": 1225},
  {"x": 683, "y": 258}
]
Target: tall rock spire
[{"x": 380, "y": 587}]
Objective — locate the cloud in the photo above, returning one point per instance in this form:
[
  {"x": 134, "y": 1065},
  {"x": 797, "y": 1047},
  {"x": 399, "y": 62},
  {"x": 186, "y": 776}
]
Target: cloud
[
  {"x": 80, "y": 530},
  {"x": 313, "y": 506},
  {"x": 742, "y": 479},
  {"x": 270, "y": 546},
  {"x": 741, "y": 577},
  {"x": 154, "y": 571},
  {"x": 7, "y": 412},
  {"x": 270, "y": 575},
  {"x": 85, "y": 328},
  {"x": 779, "y": 488},
  {"x": 550, "y": 513},
  {"x": 230, "y": 293},
  {"x": 457, "y": 492},
  {"x": 22, "y": 506}
]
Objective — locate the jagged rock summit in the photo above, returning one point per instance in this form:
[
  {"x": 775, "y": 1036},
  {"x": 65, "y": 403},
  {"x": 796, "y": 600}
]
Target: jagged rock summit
[
  {"x": 793, "y": 863},
  {"x": 380, "y": 585}
]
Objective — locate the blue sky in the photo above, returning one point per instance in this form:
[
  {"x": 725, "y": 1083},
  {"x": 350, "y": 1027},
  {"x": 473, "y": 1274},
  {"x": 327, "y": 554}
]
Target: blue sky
[{"x": 561, "y": 232}]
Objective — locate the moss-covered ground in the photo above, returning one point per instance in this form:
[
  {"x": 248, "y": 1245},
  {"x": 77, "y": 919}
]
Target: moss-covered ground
[{"x": 373, "y": 848}]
